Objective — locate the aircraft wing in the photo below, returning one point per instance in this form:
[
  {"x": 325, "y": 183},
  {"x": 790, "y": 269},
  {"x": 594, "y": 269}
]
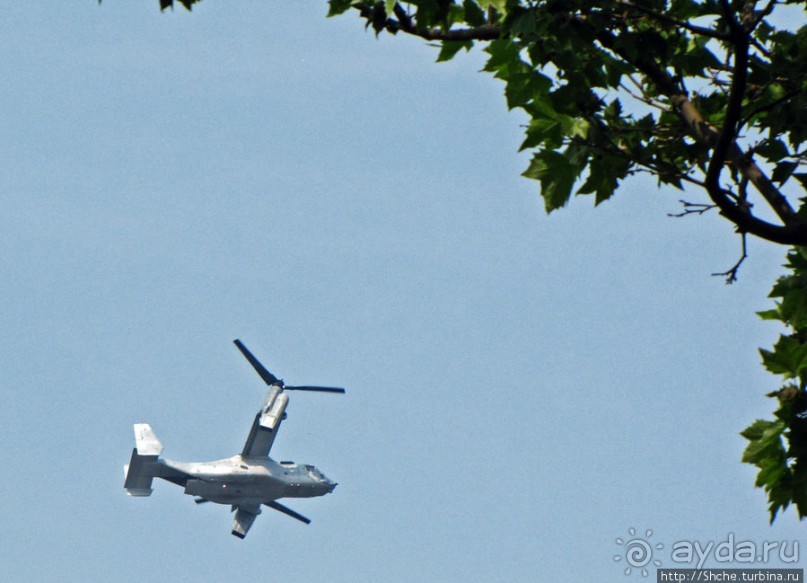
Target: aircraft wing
[{"x": 267, "y": 423}]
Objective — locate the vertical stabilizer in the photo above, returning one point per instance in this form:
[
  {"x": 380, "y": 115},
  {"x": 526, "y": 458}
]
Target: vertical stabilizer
[{"x": 146, "y": 441}]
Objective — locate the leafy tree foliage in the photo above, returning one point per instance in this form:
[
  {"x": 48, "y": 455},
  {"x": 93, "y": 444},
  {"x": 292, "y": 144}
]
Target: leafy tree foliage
[
  {"x": 703, "y": 93},
  {"x": 779, "y": 447},
  {"x": 170, "y": 3},
  {"x": 707, "y": 95}
]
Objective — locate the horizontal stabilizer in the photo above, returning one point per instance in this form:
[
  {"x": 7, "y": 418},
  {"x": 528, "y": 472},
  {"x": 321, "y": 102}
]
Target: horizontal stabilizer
[
  {"x": 139, "y": 474},
  {"x": 146, "y": 441}
]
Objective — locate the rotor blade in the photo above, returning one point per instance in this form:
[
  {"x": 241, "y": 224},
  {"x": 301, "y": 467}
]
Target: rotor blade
[
  {"x": 318, "y": 389},
  {"x": 280, "y": 508},
  {"x": 267, "y": 377}
]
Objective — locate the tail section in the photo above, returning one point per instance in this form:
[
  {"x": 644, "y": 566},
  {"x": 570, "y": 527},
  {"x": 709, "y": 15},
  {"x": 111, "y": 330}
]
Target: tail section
[
  {"x": 143, "y": 466},
  {"x": 147, "y": 443}
]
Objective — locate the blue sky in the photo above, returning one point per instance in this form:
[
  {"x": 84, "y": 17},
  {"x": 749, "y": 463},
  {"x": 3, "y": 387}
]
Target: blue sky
[{"x": 522, "y": 389}]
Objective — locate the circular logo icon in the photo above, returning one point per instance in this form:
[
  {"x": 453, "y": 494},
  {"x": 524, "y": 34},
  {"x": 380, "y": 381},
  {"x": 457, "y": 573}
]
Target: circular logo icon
[{"x": 637, "y": 552}]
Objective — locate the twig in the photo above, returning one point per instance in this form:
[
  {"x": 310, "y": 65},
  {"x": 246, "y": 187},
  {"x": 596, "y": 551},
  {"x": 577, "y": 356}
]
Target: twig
[
  {"x": 769, "y": 106},
  {"x": 731, "y": 274},
  {"x": 692, "y": 208},
  {"x": 641, "y": 98},
  {"x": 752, "y": 21}
]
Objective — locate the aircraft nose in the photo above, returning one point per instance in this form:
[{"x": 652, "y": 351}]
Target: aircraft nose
[{"x": 331, "y": 486}]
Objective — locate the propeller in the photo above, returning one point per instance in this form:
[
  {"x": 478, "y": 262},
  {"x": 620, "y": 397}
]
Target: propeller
[
  {"x": 267, "y": 377},
  {"x": 317, "y": 389},
  {"x": 271, "y": 379},
  {"x": 288, "y": 511}
]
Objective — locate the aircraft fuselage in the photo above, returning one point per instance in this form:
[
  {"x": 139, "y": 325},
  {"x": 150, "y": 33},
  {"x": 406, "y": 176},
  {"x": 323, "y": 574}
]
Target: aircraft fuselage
[{"x": 238, "y": 480}]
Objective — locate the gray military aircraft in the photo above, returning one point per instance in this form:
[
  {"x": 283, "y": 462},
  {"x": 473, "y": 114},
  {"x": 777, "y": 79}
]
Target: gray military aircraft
[{"x": 245, "y": 481}]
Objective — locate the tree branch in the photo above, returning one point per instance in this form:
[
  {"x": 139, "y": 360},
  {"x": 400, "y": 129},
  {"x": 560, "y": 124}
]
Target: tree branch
[
  {"x": 761, "y": 15},
  {"x": 793, "y": 231},
  {"x": 663, "y": 18},
  {"x": 406, "y": 24},
  {"x": 769, "y": 106},
  {"x": 727, "y": 135}
]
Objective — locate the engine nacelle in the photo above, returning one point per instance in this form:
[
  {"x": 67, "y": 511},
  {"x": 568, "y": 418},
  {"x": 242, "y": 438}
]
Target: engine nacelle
[{"x": 273, "y": 408}]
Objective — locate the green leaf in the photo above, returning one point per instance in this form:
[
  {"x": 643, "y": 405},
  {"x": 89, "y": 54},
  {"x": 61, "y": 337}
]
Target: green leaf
[
  {"x": 543, "y": 130},
  {"x": 614, "y": 70},
  {"x": 519, "y": 89},
  {"x": 451, "y": 48},
  {"x": 765, "y": 439},
  {"x": 788, "y": 358},
  {"x": 526, "y": 87},
  {"x": 503, "y": 54},
  {"x": 769, "y": 315},
  {"x": 574, "y": 126},
  {"x": 523, "y": 24},
  {"x": 499, "y": 5},
  {"x": 337, "y": 7},
  {"x": 542, "y": 106},
  {"x": 556, "y": 175},
  {"x": 773, "y": 150},
  {"x": 683, "y": 9},
  {"x": 757, "y": 451},
  {"x": 771, "y": 472},
  {"x": 793, "y": 308},
  {"x": 756, "y": 430},
  {"x": 474, "y": 15},
  {"x": 602, "y": 178},
  {"x": 783, "y": 171}
]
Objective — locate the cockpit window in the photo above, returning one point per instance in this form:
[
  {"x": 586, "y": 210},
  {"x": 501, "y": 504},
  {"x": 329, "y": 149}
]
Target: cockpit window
[{"x": 315, "y": 472}]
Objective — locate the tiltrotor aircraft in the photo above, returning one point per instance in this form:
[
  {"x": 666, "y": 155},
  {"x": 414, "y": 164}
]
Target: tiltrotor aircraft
[{"x": 245, "y": 481}]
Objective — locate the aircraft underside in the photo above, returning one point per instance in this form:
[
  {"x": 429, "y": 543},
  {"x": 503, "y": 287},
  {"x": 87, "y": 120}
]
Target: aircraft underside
[{"x": 234, "y": 492}]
